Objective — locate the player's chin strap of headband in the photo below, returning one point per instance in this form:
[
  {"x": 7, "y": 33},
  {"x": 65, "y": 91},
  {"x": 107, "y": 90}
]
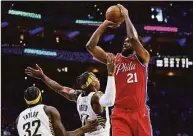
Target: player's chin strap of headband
[
  {"x": 35, "y": 100},
  {"x": 89, "y": 80}
]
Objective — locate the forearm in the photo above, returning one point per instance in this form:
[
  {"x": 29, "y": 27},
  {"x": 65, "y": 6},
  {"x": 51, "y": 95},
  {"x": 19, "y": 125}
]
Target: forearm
[
  {"x": 136, "y": 44},
  {"x": 52, "y": 84},
  {"x": 64, "y": 91},
  {"x": 131, "y": 31},
  {"x": 96, "y": 36},
  {"x": 77, "y": 132},
  {"x": 108, "y": 99}
]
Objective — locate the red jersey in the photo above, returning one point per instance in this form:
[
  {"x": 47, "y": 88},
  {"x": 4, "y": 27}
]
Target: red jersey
[{"x": 131, "y": 82}]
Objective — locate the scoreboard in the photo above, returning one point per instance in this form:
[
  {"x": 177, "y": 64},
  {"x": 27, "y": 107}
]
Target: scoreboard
[{"x": 173, "y": 62}]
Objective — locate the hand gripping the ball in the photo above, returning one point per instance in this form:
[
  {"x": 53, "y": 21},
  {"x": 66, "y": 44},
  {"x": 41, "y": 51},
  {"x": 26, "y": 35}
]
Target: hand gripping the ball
[
  {"x": 114, "y": 14},
  {"x": 110, "y": 24},
  {"x": 124, "y": 11}
]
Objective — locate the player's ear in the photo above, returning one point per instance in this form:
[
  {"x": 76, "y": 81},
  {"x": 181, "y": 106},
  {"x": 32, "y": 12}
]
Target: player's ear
[{"x": 93, "y": 84}]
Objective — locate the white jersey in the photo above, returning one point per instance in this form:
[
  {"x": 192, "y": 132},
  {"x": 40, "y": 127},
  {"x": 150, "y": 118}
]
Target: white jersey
[
  {"x": 85, "y": 111},
  {"x": 34, "y": 122}
]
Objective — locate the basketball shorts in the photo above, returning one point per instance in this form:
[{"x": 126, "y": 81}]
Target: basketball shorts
[{"x": 131, "y": 123}]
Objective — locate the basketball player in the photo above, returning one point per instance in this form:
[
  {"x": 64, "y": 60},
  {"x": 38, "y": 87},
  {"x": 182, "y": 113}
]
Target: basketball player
[
  {"x": 130, "y": 115},
  {"x": 90, "y": 101},
  {"x": 42, "y": 120}
]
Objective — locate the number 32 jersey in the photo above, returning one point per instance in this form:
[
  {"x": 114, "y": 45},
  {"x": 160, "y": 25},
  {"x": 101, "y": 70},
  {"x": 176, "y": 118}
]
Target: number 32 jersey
[
  {"x": 34, "y": 122},
  {"x": 131, "y": 81},
  {"x": 86, "y": 112}
]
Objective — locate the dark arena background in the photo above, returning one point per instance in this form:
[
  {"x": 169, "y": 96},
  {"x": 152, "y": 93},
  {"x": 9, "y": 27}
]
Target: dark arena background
[{"x": 54, "y": 35}]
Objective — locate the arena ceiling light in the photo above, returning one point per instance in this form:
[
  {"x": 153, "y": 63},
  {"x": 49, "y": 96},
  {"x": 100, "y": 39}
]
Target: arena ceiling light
[
  {"x": 40, "y": 52},
  {"x": 157, "y": 13},
  {"x": 146, "y": 39},
  {"x": 4, "y": 24},
  {"x": 161, "y": 28},
  {"x": 182, "y": 41},
  {"x": 88, "y": 22},
  {"x": 95, "y": 70},
  {"x": 36, "y": 30},
  {"x": 25, "y": 14},
  {"x": 73, "y": 34},
  {"x": 108, "y": 38}
]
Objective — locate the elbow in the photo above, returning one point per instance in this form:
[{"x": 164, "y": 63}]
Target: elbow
[
  {"x": 147, "y": 56},
  {"x": 88, "y": 47}
]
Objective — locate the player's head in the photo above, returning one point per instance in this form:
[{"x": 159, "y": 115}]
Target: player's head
[
  {"x": 127, "y": 47},
  {"x": 32, "y": 96},
  {"x": 88, "y": 82}
]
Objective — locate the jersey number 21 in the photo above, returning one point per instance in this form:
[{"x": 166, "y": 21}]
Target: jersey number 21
[{"x": 132, "y": 78}]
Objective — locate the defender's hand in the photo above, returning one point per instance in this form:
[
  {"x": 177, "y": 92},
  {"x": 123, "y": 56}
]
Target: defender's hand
[
  {"x": 90, "y": 126},
  {"x": 101, "y": 121},
  {"x": 35, "y": 73},
  {"x": 111, "y": 64}
]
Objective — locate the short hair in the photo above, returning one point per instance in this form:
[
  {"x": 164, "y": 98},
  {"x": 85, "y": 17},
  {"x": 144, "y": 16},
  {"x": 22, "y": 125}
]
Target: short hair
[
  {"x": 82, "y": 79},
  {"x": 31, "y": 93}
]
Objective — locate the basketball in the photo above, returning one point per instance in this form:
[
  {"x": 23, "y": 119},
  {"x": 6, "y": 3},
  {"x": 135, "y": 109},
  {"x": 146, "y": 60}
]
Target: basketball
[{"x": 113, "y": 14}]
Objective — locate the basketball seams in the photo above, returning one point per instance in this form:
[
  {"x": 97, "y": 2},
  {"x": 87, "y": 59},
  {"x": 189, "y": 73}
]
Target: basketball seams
[{"x": 114, "y": 14}]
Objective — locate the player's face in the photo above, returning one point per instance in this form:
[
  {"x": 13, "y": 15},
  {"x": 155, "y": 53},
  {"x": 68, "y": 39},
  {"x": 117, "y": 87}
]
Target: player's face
[{"x": 127, "y": 47}]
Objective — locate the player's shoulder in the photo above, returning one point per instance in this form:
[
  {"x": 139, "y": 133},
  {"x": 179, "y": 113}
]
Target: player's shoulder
[
  {"x": 50, "y": 109},
  {"x": 96, "y": 96}
]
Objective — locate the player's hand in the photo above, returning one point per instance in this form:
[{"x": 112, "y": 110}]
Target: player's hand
[
  {"x": 124, "y": 11},
  {"x": 110, "y": 24},
  {"x": 35, "y": 73},
  {"x": 90, "y": 126},
  {"x": 101, "y": 121},
  {"x": 111, "y": 64}
]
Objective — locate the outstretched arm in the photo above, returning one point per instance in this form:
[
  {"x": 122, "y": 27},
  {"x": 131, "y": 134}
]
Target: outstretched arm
[
  {"x": 91, "y": 45},
  {"x": 67, "y": 92},
  {"x": 133, "y": 37}
]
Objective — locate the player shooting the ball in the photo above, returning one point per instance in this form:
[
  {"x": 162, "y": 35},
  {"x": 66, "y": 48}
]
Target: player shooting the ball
[{"x": 130, "y": 115}]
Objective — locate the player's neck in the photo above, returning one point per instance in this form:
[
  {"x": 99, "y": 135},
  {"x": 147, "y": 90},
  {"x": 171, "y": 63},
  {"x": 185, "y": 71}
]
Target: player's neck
[
  {"x": 127, "y": 54},
  {"x": 30, "y": 106}
]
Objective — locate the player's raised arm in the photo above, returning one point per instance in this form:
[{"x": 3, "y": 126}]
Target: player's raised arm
[
  {"x": 108, "y": 98},
  {"x": 133, "y": 37},
  {"x": 91, "y": 45},
  {"x": 38, "y": 73}
]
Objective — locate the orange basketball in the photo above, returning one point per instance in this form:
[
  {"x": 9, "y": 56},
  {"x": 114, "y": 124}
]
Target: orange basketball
[{"x": 113, "y": 14}]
